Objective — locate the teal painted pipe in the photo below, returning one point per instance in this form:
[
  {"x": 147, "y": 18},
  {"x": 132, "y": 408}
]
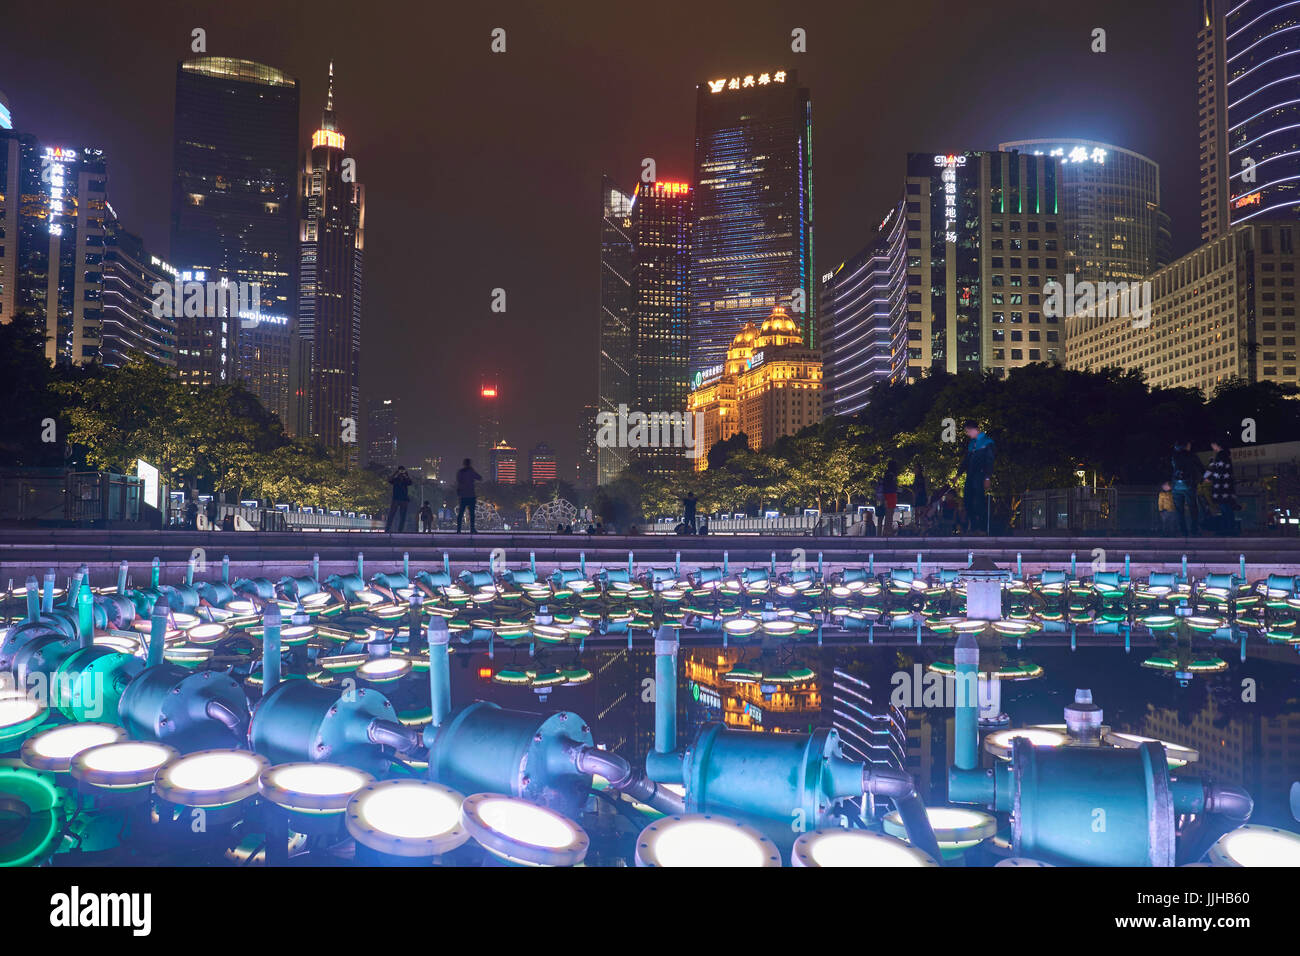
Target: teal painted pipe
[
  {"x": 47, "y": 599},
  {"x": 1074, "y": 569},
  {"x": 189, "y": 571},
  {"x": 74, "y": 588},
  {"x": 155, "y": 574},
  {"x": 361, "y": 566},
  {"x": 966, "y": 716},
  {"x": 439, "y": 670},
  {"x": 406, "y": 564},
  {"x": 33, "y": 599},
  {"x": 315, "y": 565},
  {"x": 666, "y": 646},
  {"x": 121, "y": 579},
  {"x": 1093, "y": 806},
  {"x": 1241, "y": 563},
  {"x": 271, "y": 650},
  {"x": 157, "y": 634},
  {"x": 225, "y": 569},
  {"x": 85, "y": 615}
]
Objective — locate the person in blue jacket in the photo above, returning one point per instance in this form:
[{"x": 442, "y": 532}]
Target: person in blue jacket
[{"x": 977, "y": 465}]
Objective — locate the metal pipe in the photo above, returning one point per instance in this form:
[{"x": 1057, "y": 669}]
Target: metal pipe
[
  {"x": 47, "y": 598},
  {"x": 121, "y": 579},
  {"x": 624, "y": 779},
  {"x": 439, "y": 670},
  {"x": 219, "y": 712},
  {"x": 666, "y": 645},
  {"x": 1225, "y": 808},
  {"x": 388, "y": 733},
  {"x": 33, "y": 598},
  {"x": 966, "y": 716},
  {"x": 157, "y": 634},
  {"x": 271, "y": 651},
  {"x": 917, "y": 823},
  {"x": 155, "y": 573},
  {"x": 85, "y": 614}
]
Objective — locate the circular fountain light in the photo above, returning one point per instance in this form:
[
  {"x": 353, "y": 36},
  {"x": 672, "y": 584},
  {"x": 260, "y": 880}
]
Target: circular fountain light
[
  {"x": 381, "y": 670},
  {"x": 207, "y": 633},
  {"x": 19, "y": 715},
  {"x": 183, "y": 620},
  {"x": 523, "y": 832},
  {"x": 121, "y": 643},
  {"x": 186, "y": 655},
  {"x": 779, "y": 628},
  {"x": 839, "y": 847},
  {"x": 550, "y": 633},
  {"x": 296, "y": 634},
  {"x": 1175, "y": 753},
  {"x": 740, "y": 626},
  {"x": 407, "y": 818},
  {"x": 124, "y": 765},
  {"x": 1256, "y": 845},
  {"x": 955, "y": 828},
  {"x": 704, "y": 839},
  {"x": 52, "y": 750},
  {"x": 211, "y": 778},
  {"x": 1013, "y": 628},
  {"x": 312, "y": 787},
  {"x": 967, "y": 626},
  {"x": 241, "y": 606},
  {"x": 998, "y": 743}
]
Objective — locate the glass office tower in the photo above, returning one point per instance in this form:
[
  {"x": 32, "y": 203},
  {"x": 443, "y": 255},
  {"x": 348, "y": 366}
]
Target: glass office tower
[{"x": 753, "y": 242}]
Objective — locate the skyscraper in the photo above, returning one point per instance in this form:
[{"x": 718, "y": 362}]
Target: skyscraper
[
  {"x": 489, "y": 417},
  {"x": 1112, "y": 226},
  {"x": 1249, "y": 112},
  {"x": 504, "y": 463},
  {"x": 864, "y": 319},
  {"x": 617, "y": 263},
  {"x": 381, "y": 432},
  {"x": 752, "y": 248},
  {"x": 235, "y": 217},
  {"x": 541, "y": 464},
  {"x": 329, "y": 310},
  {"x": 984, "y": 238}
]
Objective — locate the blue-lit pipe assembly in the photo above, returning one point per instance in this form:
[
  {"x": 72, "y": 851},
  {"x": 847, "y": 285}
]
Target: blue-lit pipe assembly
[{"x": 292, "y": 712}]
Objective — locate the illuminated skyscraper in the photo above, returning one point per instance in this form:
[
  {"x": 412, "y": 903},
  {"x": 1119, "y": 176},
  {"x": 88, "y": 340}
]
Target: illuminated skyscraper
[
  {"x": 617, "y": 263},
  {"x": 489, "y": 417},
  {"x": 864, "y": 319},
  {"x": 752, "y": 248},
  {"x": 235, "y": 217},
  {"x": 541, "y": 464},
  {"x": 1112, "y": 226},
  {"x": 329, "y": 310},
  {"x": 381, "y": 432},
  {"x": 504, "y": 463},
  {"x": 1248, "y": 93}
]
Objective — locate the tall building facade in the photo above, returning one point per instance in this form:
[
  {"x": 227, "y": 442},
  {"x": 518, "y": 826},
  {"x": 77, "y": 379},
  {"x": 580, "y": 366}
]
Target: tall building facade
[
  {"x": 1248, "y": 112},
  {"x": 25, "y": 218},
  {"x": 983, "y": 237},
  {"x": 1113, "y": 228},
  {"x": 504, "y": 463},
  {"x": 584, "y": 471},
  {"x": 1226, "y": 310},
  {"x": 381, "y": 432},
  {"x": 614, "y": 372},
  {"x": 329, "y": 307},
  {"x": 541, "y": 464},
  {"x": 235, "y": 217},
  {"x": 489, "y": 417},
  {"x": 769, "y": 386},
  {"x": 752, "y": 248},
  {"x": 864, "y": 319},
  {"x": 130, "y": 328}
]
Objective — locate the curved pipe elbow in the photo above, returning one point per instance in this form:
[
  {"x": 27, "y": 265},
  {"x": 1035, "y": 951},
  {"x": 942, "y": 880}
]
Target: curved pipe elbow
[
  {"x": 1228, "y": 801},
  {"x": 624, "y": 779}
]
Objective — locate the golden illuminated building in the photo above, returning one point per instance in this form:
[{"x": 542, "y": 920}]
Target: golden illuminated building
[
  {"x": 769, "y": 386},
  {"x": 785, "y": 709}
]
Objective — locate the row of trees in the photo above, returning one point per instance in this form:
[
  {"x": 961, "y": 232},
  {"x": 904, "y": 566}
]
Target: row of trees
[
  {"x": 1049, "y": 423},
  {"x": 213, "y": 439}
]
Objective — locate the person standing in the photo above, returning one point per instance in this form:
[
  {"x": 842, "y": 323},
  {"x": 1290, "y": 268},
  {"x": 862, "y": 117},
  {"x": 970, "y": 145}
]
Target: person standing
[
  {"x": 401, "y": 483},
  {"x": 1223, "y": 487},
  {"x": 688, "y": 504},
  {"x": 1165, "y": 505},
  {"x": 978, "y": 468},
  {"x": 1186, "y": 470},
  {"x": 426, "y": 518},
  {"x": 465, "y": 479}
]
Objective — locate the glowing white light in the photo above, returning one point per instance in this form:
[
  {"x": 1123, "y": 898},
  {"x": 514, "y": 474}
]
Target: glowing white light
[
  {"x": 61, "y": 744},
  {"x": 855, "y": 848},
  {"x": 126, "y": 756},
  {"x": 1254, "y": 845},
  {"x": 317, "y": 779},
  {"x": 527, "y": 822},
  {"x": 407, "y": 818},
  {"x": 704, "y": 840},
  {"x": 17, "y": 710}
]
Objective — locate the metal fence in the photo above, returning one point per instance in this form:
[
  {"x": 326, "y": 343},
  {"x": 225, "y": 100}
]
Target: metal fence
[
  {"x": 59, "y": 496},
  {"x": 1118, "y": 508}
]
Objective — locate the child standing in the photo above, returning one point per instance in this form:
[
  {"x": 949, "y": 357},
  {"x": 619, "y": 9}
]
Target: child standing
[{"x": 1165, "y": 505}]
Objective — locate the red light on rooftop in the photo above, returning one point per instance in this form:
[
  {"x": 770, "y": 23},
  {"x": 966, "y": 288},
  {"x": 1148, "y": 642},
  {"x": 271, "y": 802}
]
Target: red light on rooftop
[{"x": 488, "y": 391}]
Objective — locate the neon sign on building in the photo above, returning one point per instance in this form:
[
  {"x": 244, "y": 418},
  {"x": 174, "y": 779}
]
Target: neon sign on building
[
  {"x": 746, "y": 82},
  {"x": 949, "y": 165}
]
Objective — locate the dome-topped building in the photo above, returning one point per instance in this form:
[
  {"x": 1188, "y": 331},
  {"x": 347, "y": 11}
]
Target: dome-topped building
[{"x": 769, "y": 386}]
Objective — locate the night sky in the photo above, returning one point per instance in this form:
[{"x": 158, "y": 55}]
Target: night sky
[{"x": 483, "y": 170}]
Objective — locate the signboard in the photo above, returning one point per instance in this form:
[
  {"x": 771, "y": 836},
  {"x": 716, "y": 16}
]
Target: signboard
[{"x": 149, "y": 475}]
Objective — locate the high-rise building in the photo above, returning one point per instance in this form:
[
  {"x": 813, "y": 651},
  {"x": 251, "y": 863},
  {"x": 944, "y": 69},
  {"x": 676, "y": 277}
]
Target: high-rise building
[
  {"x": 489, "y": 417},
  {"x": 1226, "y": 310},
  {"x": 504, "y": 463},
  {"x": 25, "y": 218},
  {"x": 381, "y": 432},
  {"x": 617, "y": 263},
  {"x": 128, "y": 324},
  {"x": 584, "y": 472},
  {"x": 984, "y": 237},
  {"x": 752, "y": 248},
  {"x": 1248, "y": 112},
  {"x": 541, "y": 464},
  {"x": 769, "y": 386},
  {"x": 329, "y": 309},
  {"x": 235, "y": 217},
  {"x": 1112, "y": 226},
  {"x": 864, "y": 319},
  {"x": 6, "y": 117}
]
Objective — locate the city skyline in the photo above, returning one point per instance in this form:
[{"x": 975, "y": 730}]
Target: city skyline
[{"x": 435, "y": 270}]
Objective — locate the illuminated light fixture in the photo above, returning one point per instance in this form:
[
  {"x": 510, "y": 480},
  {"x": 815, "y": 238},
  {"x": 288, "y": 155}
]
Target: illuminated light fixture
[
  {"x": 381, "y": 670},
  {"x": 124, "y": 765},
  {"x": 704, "y": 839},
  {"x": 1205, "y": 623},
  {"x": 1256, "y": 845},
  {"x": 741, "y": 626},
  {"x": 187, "y": 655},
  {"x": 184, "y": 621},
  {"x": 840, "y": 847},
  {"x": 1013, "y": 628},
  {"x": 576, "y": 676},
  {"x": 297, "y": 634},
  {"x": 408, "y": 818},
  {"x": 53, "y": 750},
  {"x": 241, "y": 606},
  {"x": 780, "y": 628},
  {"x": 1176, "y": 754},
  {"x": 796, "y": 674},
  {"x": 312, "y": 787},
  {"x": 741, "y": 674},
  {"x": 998, "y": 743},
  {"x": 367, "y": 596},
  {"x": 319, "y": 599},
  {"x": 521, "y": 832},
  {"x": 955, "y": 828},
  {"x": 513, "y": 677},
  {"x": 549, "y": 633},
  {"x": 966, "y": 626},
  {"x": 344, "y": 662},
  {"x": 1159, "y": 622},
  {"x": 19, "y": 716},
  {"x": 211, "y": 778},
  {"x": 207, "y": 633}
]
